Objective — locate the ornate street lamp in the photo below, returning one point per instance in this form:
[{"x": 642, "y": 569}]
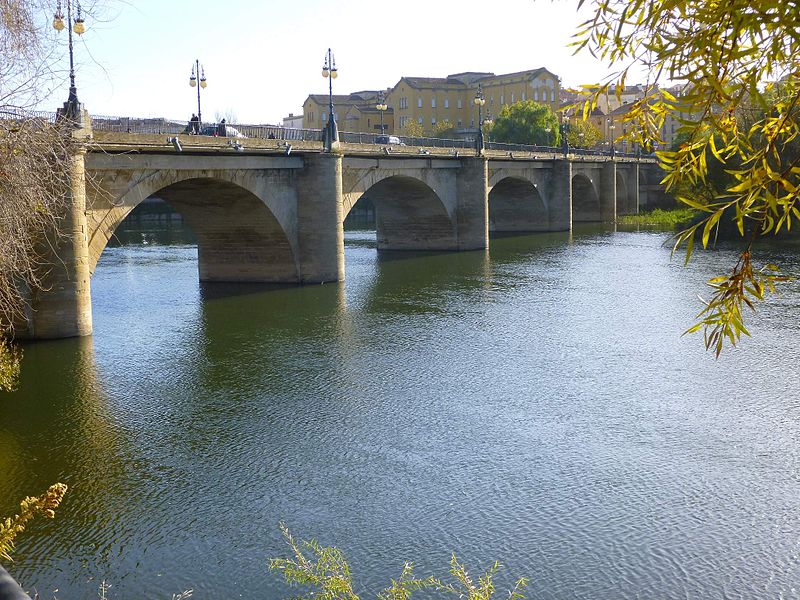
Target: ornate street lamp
[
  {"x": 488, "y": 122},
  {"x": 611, "y": 128},
  {"x": 72, "y": 108},
  {"x": 198, "y": 71},
  {"x": 479, "y": 101},
  {"x": 381, "y": 106},
  {"x": 330, "y": 72}
]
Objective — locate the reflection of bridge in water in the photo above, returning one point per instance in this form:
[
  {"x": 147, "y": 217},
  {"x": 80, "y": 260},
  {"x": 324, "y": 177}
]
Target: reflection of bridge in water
[{"x": 271, "y": 210}]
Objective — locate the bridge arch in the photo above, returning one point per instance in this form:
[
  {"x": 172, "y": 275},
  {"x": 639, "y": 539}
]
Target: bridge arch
[
  {"x": 409, "y": 215},
  {"x": 515, "y": 205},
  {"x": 585, "y": 200},
  {"x": 239, "y": 235}
]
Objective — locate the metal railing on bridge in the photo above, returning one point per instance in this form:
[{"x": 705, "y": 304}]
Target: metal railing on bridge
[
  {"x": 18, "y": 114},
  {"x": 160, "y": 125},
  {"x": 174, "y": 127}
]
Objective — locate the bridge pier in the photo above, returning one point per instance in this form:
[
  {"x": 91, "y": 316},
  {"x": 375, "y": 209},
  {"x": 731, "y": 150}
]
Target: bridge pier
[
  {"x": 608, "y": 192},
  {"x": 560, "y": 201},
  {"x": 320, "y": 230},
  {"x": 472, "y": 210},
  {"x": 62, "y": 308}
]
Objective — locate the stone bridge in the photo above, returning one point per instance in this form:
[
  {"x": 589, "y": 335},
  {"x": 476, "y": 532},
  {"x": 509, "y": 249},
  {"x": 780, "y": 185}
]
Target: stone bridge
[{"x": 268, "y": 211}]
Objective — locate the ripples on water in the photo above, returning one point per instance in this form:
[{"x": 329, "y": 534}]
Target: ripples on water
[{"x": 534, "y": 404}]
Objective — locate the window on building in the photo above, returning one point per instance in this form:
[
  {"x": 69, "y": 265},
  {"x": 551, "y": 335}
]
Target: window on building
[
  {"x": 535, "y": 95},
  {"x": 491, "y": 101},
  {"x": 502, "y": 99},
  {"x": 459, "y": 103},
  {"x": 459, "y": 123},
  {"x": 403, "y": 121},
  {"x": 403, "y": 102},
  {"x": 433, "y": 121},
  {"x": 433, "y": 102},
  {"x": 552, "y": 96},
  {"x": 419, "y": 102},
  {"x": 472, "y": 122},
  {"x": 446, "y": 103},
  {"x": 523, "y": 96},
  {"x": 419, "y": 120},
  {"x": 512, "y": 97},
  {"x": 324, "y": 117}
]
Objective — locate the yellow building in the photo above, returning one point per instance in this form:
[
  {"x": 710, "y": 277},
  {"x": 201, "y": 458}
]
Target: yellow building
[
  {"x": 354, "y": 112},
  {"x": 431, "y": 100}
]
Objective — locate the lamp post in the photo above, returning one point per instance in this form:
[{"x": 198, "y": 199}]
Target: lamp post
[
  {"x": 611, "y": 128},
  {"x": 479, "y": 101},
  {"x": 72, "y": 107},
  {"x": 547, "y": 131},
  {"x": 381, "y": 106},
  {"x": 198, "y": 71},
  {"x": 488, "y": 122},
  {"x": 330, "y": 72}
]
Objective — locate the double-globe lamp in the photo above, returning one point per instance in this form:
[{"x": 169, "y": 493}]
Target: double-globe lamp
[
  {"x": 330, "y": 72},
  {"x": 479, "y": 101},
  {"x": 381, "y": 106},
  {"x": 198, "y": 71},
  {"x": 72, "y": 107}
]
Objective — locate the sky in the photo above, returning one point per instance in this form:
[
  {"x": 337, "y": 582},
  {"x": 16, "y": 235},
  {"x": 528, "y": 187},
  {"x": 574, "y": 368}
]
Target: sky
[{"x": 263, "y": 57}]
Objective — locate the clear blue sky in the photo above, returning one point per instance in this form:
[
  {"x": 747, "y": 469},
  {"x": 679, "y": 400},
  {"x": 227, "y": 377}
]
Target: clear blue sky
[{"x": 263, "y": 57}]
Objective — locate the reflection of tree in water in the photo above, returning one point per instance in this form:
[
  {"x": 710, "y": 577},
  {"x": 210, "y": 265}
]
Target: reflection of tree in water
[
  {"x": 153, "y": 222},
  {"x": 61, "y": 426}
]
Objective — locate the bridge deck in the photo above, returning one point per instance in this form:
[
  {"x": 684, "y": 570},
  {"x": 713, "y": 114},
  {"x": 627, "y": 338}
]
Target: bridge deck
[{"x": 115, "y": 142}]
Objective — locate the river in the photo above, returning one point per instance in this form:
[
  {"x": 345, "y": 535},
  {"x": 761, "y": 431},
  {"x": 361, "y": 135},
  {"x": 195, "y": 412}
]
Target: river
[{"x": 534, "y": 404}]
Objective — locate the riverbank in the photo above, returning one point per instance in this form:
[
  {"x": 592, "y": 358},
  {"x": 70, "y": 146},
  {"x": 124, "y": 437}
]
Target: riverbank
[{"x": 673, "y": 218}]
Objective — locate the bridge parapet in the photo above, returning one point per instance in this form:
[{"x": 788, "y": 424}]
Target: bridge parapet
[{"x": 107, "y": 141}]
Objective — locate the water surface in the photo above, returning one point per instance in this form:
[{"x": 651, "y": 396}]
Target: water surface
[{"x": 533, "y": 404}]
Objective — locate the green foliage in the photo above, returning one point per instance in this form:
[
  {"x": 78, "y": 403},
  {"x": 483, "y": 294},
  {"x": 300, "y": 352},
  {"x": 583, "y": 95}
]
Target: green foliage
[
  {"x": 30, "y": 507},
  {"x": 663, "y": 218},
  {"x": 721, "y": 319},
  {"x": 407, "y": 584},
  {"x": 10, "y": 359},
  {"x": 740, "y": 106},
  {"x": 526, "y": 123},
  {"x": 443, "y": 129},
  {"x": 465, "y": 587},
  {"x": 582, "y": 134},
  {"x": 413, "y": 129},
  {"x": 327, "y": 572}
]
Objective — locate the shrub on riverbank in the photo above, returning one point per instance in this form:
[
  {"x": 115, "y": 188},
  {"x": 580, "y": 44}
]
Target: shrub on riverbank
[
  {"x": 670, "y": 218},
  {"x": 326, "y": 571},
  {"x": 29, "y": 508}
]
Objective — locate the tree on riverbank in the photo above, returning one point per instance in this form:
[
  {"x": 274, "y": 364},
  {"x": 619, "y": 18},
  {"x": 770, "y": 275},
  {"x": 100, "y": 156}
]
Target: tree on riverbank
[
  {"x": 731, "y": 55},
  {"x": 526, "y": 122},
  {"x": 412, "y": 129},
  {"x": 34, "y": 164},
  {"x": 582, "y": 134}
]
